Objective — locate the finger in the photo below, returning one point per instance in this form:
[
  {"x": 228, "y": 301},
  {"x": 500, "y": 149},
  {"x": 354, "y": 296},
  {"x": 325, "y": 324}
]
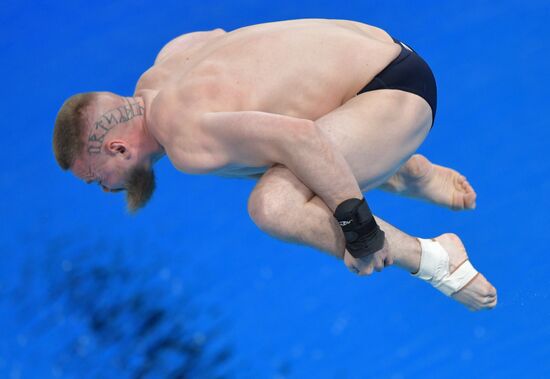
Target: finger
[
  {"x": 349, "y": 261},
  {"x": 353, "y": 269},
  {"x": 362, "y": 263},
  {"x": 358, "y": 263},
  {"x": 388, "y": 261},
  {"x": 379, "y": 264},
  {"x": 366, "y": 270}
]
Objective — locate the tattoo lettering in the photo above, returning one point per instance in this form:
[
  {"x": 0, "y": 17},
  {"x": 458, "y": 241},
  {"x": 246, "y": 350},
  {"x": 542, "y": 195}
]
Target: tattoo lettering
[{"x": 108, "y": 121}]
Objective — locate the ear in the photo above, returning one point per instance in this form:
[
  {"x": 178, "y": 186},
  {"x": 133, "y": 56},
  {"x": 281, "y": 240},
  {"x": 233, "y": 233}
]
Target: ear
[{"x": 118, "y": 147}]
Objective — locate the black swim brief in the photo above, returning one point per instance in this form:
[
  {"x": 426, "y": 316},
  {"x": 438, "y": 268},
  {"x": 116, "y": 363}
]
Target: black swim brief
[{"x": 408, "y": 72}]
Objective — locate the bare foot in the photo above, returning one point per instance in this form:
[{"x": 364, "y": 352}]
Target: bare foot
[
  {"x": 477, "y": 295},
  {"x": 419, "y": 178}
]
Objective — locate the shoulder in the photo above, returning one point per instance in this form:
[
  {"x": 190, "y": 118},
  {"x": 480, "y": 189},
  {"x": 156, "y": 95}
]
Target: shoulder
[
  {"x": 176, "y": 123},
  {"x": 184, "y": 102},
  {"x": 187, "y": 99},
  {"x": 171, "y": 114},
  {"x": 187, "y": 41}
]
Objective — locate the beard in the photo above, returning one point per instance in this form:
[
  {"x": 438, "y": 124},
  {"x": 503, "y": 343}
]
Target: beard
[{"x": 140, "y": 186}]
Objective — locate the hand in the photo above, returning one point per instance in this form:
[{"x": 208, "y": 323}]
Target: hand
[{"x": 365, "y": 266}]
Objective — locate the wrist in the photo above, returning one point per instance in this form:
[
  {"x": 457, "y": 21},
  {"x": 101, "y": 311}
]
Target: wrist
[{"x": 362, "y": 233}]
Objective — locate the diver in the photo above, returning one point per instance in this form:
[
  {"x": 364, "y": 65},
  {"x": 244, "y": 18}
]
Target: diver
[{"x": 317, "y": 111}]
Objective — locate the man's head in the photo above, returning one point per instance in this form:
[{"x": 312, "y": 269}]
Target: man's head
[{"x": 101, "y": 137}]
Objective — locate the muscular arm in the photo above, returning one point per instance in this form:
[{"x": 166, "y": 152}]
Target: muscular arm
[{"x": 259, "y": 138}]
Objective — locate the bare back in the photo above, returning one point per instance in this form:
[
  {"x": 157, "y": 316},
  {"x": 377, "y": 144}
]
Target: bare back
[{"x": 300, "y": 68}]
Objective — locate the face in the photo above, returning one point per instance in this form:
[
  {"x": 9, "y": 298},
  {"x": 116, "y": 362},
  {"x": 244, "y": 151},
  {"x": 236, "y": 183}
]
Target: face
[{"x": 138, "y": 181}]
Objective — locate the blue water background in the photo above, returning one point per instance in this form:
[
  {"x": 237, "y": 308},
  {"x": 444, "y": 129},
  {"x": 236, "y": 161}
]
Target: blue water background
[{"x": 288, "y": 311}]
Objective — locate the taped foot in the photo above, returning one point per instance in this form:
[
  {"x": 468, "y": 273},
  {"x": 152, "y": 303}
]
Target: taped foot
[{"x": 445, "y": 265}]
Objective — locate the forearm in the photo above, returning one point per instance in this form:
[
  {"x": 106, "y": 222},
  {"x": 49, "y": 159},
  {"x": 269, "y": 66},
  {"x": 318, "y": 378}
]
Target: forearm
[
  {"x": 316, "y": 161},
  {"x": 254, "y": 138},
  {"x": 324, "y": 170}
]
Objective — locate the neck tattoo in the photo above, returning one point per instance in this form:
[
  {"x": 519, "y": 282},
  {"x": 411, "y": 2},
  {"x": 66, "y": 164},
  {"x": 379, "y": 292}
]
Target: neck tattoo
[{"x": 109, "y": 120}]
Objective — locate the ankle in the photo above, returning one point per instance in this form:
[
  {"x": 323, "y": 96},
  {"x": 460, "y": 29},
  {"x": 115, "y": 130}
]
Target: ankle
[
  {"x": 409, "y": 256},
  {"x": 395, "y": 184}
]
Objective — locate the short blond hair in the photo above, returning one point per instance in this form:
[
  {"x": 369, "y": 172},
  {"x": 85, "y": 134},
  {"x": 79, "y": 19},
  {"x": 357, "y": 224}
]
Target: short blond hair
[{"x": 69, "y": 129}]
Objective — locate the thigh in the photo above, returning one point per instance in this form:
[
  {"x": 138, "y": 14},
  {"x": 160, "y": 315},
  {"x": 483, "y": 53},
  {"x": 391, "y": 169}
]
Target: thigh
[
  {"x": 377, "y": 132},
  {"x": 283, "y": 207},
  {"x": 279, "y": 186}
]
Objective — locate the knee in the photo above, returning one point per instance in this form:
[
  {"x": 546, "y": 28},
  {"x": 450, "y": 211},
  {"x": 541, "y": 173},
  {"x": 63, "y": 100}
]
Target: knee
[{"x": 265, "y": 210}]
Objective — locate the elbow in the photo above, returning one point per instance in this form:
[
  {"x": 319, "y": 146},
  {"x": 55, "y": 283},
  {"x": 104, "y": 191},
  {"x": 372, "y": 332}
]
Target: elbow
[
  {"x": 299, "y": 139},
  {"x": 309, "y": 134},
  {"x": 305, "y": 130}
]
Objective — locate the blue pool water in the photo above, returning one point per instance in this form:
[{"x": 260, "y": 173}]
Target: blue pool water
[{"x": 87, "y": 291}]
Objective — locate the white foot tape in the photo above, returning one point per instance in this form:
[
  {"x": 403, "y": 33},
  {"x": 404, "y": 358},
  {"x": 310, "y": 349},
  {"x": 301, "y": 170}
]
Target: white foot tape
[{"x": 434, "y": 268}]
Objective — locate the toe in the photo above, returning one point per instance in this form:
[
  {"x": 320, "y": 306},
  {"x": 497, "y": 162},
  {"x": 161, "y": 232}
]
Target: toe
[
  {"x": 465, "y": 196},
  {"x": 467, "y": 187},
  {"x": 470, "y": 200},
  {"x": 488, "y": 304},
  {"x": 488, "y": 290}
]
